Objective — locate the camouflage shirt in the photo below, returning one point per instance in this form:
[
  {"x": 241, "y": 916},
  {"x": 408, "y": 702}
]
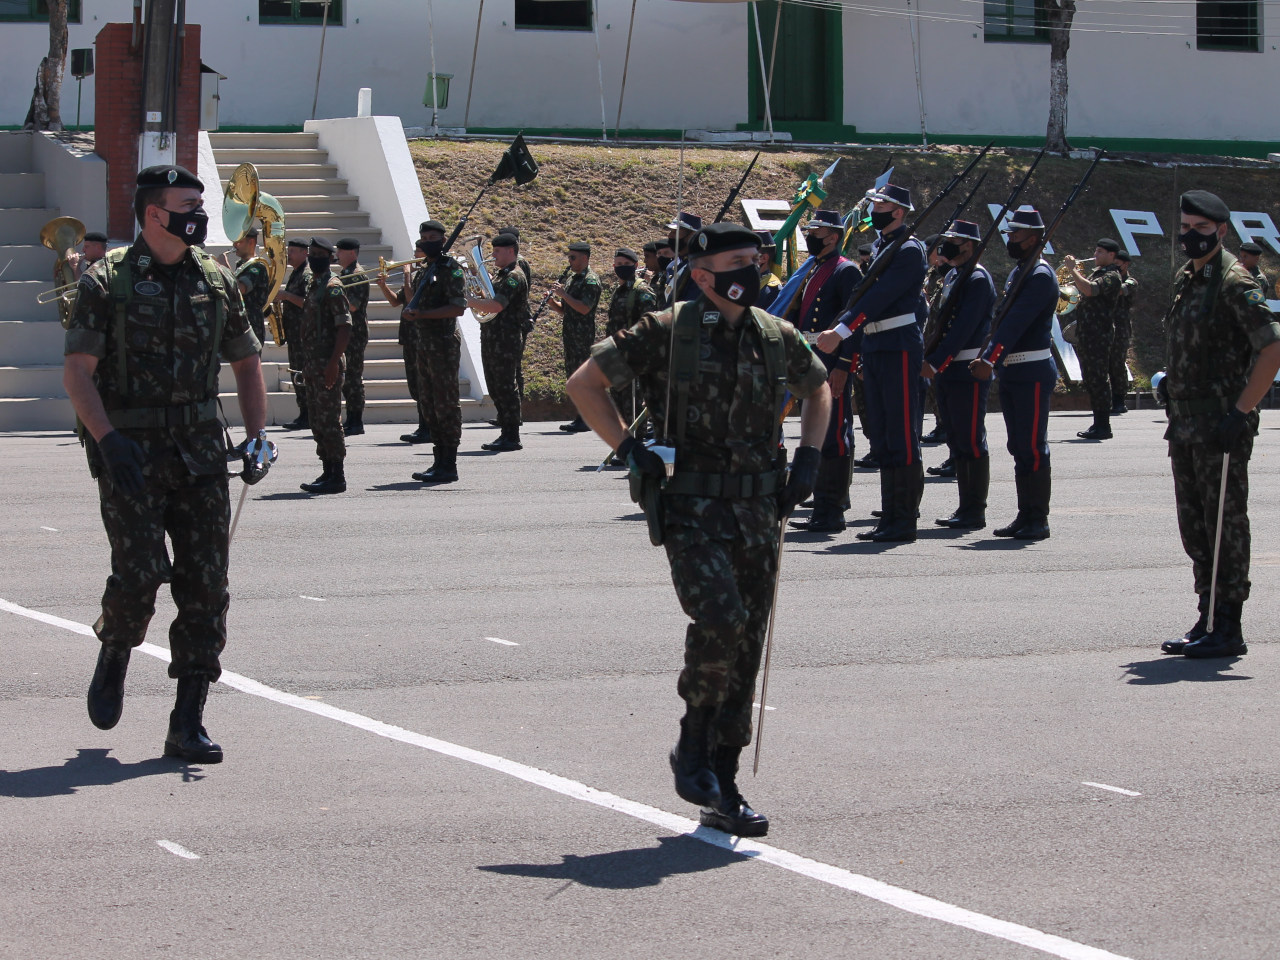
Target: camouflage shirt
[
  {"x": 630, "y": 302},
  {"x": 1099, "y": 310},
  {"x": 297, "y": 284},
  {"x": 357, "y": 297},
  {"x": 441, "y": 283},
  {"x": 511, "y": 289},
  {"x": 1124, "y": 305},
  {"x": 1217, "y": 324},
  {"x": 325, "y": 310},
  {"x": 586, "y": 288},
  {"x": 255, "y": 286}
]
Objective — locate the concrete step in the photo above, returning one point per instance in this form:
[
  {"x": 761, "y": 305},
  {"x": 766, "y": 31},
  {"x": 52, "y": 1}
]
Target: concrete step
[
  {"x": 27, "y": 261},
  {"x": 370, "y": 236},
  {"x": 15, "y": 152},
  {"x": 36, "y": 380},
  {"x": 24, "y": 223},
  {"x": 305, "y": 204},
  {"x": 297, "y": 185},
  {"x": 270, "y": 156},
  {"x": 336, "y": 220},
  {"x": 30, "y": 342},
  {"x": 282, "y": 408},
  {"x": 18, "y": 300},
  {"x": 276, "y": 171},
  {"x": 286, "y": 141},
  {"x": 37, "y": 413},
  {"x": 21, "y": 189}
]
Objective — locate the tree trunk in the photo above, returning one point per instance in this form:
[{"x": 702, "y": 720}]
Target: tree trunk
[
  {"x": 46, "y": 100},
  {"x": 1060, "y": 13}
]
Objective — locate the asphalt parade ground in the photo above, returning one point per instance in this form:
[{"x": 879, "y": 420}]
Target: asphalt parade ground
[{"x": 446, "y": 715}]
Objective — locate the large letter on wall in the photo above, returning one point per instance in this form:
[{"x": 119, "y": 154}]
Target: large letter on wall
[
  {"x": 1130, "y": 223},
  {"x": 1255, "y": 227}
]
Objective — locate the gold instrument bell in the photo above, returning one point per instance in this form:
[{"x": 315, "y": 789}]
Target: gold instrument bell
[
  {"x": 475, "y": 272},
  {"x": 242, "y": 203},
  {"x": 1068, "y": 295},
  {"x": 62, "y": 235}
]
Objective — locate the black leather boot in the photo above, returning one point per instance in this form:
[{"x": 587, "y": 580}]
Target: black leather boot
[
  {"x": 444, "y": 468},
  {"x": 187, "y": 737},
  {"x": 508, "y": 440},
  {"x": 303, "y": 422},
  {"x": 828, "y": 492},
  {"x": 1225, "y": 639},
  {"x": 732, "y": 814},
  {"x": 973, "y": 479},
  {"x": 1101, "y": 429},
  {"x": 691, "y": 759},
  {"x": 1198, "y": 629},
  {"x": 1039, "y": 485},
  {"x": 106, "y": 690},
  {"x": 885, "y": 514},
  {"x": 421, "y": 435},
  {"x": 898, "y": 525},
  {"x": 354, "y": 427},
  {"x": 325, "y": 474},
  {"x": 336, "y": 482},
  {"x": 1023, "y": 516},
  {"x": 947, "y": 468}
]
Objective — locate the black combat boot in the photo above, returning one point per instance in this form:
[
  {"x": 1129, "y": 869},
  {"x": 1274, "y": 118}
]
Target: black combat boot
[
  {"x": 1224, "y": 640},
  {"x": 829, "y": 490},
  {"x": 336, "y": 482},
  {"x": 303, "y": 422},
  {"x": 937, "y": 435},
  {"x": 973, "y": 480},
  {"x": 443, "y": 469},
  {"x": 1198, "y": 629},
  {"x": 1039, "y": 485},
  {"x": 691, "y": 759},
  {"x": 869, "y": 462},
  {"x": 325, "y": 474},
  {"x": 576, "y": 425},
  {"x": 1101, "y": 429},
  {"x": 421, "y": 435},
  {"x": 947, "y": 468},
  {"x": 732, "y": 814},
  {"x": 507, "y": 440},
  {"x": 187, "y": 737},
  {"x": 885, "y": 514},
  {"x": 106, "y": 690},
  {"x": 354, "y": 426},
  {"x": 898, "y": 525}
]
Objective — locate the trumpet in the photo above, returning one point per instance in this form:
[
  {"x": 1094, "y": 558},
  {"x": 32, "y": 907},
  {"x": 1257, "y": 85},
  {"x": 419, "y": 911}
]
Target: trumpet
[{"x": 370, "y": 274}]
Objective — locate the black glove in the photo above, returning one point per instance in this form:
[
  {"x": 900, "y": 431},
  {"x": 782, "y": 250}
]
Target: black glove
[
  {"x": 124, "y": 460},
  {"x": 801, "y": 480},
  {"x": 1229, "y": 430},
  {"x": 257, "y": 455},
  {"x": 641, "y": 459}
]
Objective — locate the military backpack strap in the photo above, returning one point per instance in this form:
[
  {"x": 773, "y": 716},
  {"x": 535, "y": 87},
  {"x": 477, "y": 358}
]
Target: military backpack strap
[
  {"x": 119, "y": 286},
  {"x": 685, "y": 331},
  {"x": 218, "y": 289},
  {"x": 775, "y": 363}
]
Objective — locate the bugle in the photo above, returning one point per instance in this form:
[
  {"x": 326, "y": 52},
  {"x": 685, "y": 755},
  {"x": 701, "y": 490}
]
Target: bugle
[
  {"x": 57, "y": 293},
  {"x": 370, "y": 274}
]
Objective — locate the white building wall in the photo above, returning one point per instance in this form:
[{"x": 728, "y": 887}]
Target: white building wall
[{"x": 688, "y": 64}]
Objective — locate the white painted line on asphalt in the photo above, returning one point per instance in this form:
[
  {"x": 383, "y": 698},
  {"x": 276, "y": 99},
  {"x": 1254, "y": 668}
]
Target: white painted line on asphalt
[
  {"x": 303, "y": 596},
  {"x": 50, "y": 529},
  {"x": 906, "y": 900},
  {"x": 1107, "y": 786},
  {"x": 756, "y": 706},
  {"x": 505, "y": 643},
  {"x": 178, "y": 850}
]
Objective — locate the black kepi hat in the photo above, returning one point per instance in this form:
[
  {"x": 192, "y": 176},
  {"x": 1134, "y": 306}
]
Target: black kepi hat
[
  {"x": 1025, "y": 218},
  {"x": 890, "y": 193},
  {"x": 963, "y": 230},
  {"x": 766, "y": 240},
  {"x": 687, "y": 221},
  {"x": 829, "y": 219}
]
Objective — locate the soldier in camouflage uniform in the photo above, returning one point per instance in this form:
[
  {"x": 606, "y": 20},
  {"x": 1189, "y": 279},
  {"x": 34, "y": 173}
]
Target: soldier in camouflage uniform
[
  {"x": 502, "y": 342},
  {"x": 1224, "y": 351},
  {"x": 406, "y": 335},
  {"x": 1095, "y": 325},
  {"x": 720, "y": 511},
  {"x": 632, "y": 299},
  {"x": 1118, "y": 358},
  {"x": 255, "y": 283},
  {"x": 358, "y": 299},
  {"x": 1250, "y": 259},
  {"x": 325, "y": 332},
  {"x": 142, "y": 351},
  {"x": 290, "y": 297},
  {"x": 576, "y": 302}
]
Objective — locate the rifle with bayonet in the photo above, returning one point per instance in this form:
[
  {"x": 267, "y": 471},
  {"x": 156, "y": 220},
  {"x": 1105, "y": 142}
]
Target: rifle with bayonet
[{"x": 733, "y": 194}]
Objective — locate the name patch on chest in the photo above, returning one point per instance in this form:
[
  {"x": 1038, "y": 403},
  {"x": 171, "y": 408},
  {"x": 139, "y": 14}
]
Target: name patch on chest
[{"x": 148, "y": 288}]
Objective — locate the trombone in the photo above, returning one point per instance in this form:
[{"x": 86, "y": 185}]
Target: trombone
[
  {"x": 57, "y": 293},
  {"x": 370, "y": 274}
]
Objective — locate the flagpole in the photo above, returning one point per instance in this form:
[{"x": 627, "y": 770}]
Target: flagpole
[
  {"x": 466, "y": 118},
  {"x": 595, "y": 23},
  {"x": 764, "y": 77},
  {"x": 626, "y": 62}
]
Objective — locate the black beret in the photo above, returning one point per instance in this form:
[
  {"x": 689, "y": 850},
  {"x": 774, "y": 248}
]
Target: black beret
[
  {"x": 322, "y": 242},
  {"x": 663, "y": 244},
  {"x": 1205, "y": 204},
  {"x": 864, "y": 250},
  {"x": 579, "y": 248},
  {"x": 250, "y": 234},
  {"x": 505, "y": 240},
  {"x": 1106, "y": 243},
  {"x": 297, "y": 242},
  {"x": 97, "y": 237},
  {"x": 426, "y": 225},
  {"x": 1123, "y": 255},
  {"x": 719, "y": 237},
  {"x": 626, "y": 253},
  {"x": 511, "y": 231},
  {"x": 168, "y": 175},
  {"x": 1250, "y": 247},
  {"x": 348, "y": 243},
  {"x": 651, "y": 247}
]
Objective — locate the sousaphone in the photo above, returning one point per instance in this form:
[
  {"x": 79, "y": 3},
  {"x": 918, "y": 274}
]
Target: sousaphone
[{"x": 242, "y": 203}]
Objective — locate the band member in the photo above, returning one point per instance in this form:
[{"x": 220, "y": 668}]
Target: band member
[
  {"x": 665, "y": 257},
  {"x": 720, "y": 509},
  {"x": 1095, "y": 326},
  {"x": 1019, "y": 348},
  {"x": 147, "y": 396},
  {"x": 255, "y": 283},
  {"x": 679, "y": 287},
  {"x": 889, "y": 319},
  {"x": 291, "y": 298},
  {"x": 501, "y": 343},
  {"x": 632, "y": 299},
  {"x": 770, "y": 282},
  {"x": 962, "y": 397},
  {"x": 1224, "y": 352},
  {"x": 650, "y": 268},
  {"x": 93, "y": 250},
  {"x": 576, "y": 302},
  {"x": 521, "y": 262},
  {"x": 816, "y": 307},
  {"x": 325, "y": 332},
  {"x": 406, "y": 336},
  {"x": 1118, "y": 358},
  {"x": 1250, "y": 259},
  {"x": 358, "y": 299}
]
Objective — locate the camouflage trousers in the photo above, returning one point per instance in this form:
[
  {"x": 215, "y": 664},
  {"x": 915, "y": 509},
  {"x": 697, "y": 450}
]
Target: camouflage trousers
[
  {"x": 195, "y": 512},
  {"x": 1197, "y": 481},
  {"x": 1117, "y": 360},
  {"x": 501, "y": 348},
  {"x": 579, "y": 336},
  {"x": 726, "y": 588},
  {"x": 325, "y": 409},
  {"x": 296, "y": 361},
  {"x": 353, "y": 381},
  {"x": 1094, "y": 351},
  {"x": 437, "y": 356}
]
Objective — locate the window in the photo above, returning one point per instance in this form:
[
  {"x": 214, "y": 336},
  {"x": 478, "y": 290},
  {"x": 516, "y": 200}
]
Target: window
[
  {"x": 553, "y": 14},
  {"x": 36, "y": 10},
  {"x": 299, "y": 11},
  {"x": 1017, "y": 21},
  {"x": 1228, "y": 25}
]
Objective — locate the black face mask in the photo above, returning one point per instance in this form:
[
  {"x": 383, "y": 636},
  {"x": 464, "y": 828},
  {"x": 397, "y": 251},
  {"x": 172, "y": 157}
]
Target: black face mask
[
  {"x": 319, "y": 265},
  {"x": 1014, "y": 249},
  {"x": 949, "y": 249},
  {"x": 815, "y": 245},
  {"x": 626, "y": 274},
  {"x": 191, "y": 228},
  {"x": 881, "y": 220},
  {"x": 432, "y": 248},
  {"x": 663, "y": 262},
  {"x": 740, "y": 286},
  {"x": 1196, "y": 245}
]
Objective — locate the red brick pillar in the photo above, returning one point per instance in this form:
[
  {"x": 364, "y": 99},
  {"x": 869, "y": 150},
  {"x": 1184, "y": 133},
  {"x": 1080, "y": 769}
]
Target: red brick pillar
[{"x": 118, "y": 115}]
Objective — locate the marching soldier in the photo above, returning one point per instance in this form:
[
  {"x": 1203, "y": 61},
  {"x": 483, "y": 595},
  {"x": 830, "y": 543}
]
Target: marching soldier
[
  {"x": 679, "y": 287},
  {"x": 933, "y": 282},
  {"x": 255, "y": 284},
  {"x": 1118, "y": 358},
  {"x": 501, "y": 343},
  {"x": 631, "y": 300},
  {"x": 358, "y": 299},
  {"x": 1019, "y": 348},
  {"x": 816, "y": 307},
  {"x": 889, "y": 320},
  {"x": 576, "y": 302},
  {"x": 1224, "y": 351},
  {"x": 291, "y": 298},
  {"x": 770, "y": 282},
  {"x": 665, "y": 257},
  {"x": 1095, "y": 325},
  {"x": 962, "y": 398},
  {"x": 650, "y": 268},
  {"x": 719, "y": 513},
  {"x": 325, "y": 332},
  {"x": 143, "y": 348}
]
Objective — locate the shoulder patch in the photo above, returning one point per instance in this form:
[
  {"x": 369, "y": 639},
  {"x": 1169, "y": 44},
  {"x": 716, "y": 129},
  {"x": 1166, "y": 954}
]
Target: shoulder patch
[
  {"x": 457, "y": 272},
  {"x": 1256, "y": 296}
]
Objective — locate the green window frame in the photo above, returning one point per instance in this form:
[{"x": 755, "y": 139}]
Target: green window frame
[
  {"x": 1232, "y": 25},
  {"x": 569, "y": 15},
  {"x": 35, "y": 11},
  {"x": 1015, "y": 21},
  {"x": 300, "y": 12}
]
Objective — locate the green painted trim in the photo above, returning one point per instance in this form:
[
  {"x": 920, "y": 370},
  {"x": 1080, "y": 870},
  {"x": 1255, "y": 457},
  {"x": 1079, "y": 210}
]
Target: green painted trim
[{"x": 832, "y": 128}]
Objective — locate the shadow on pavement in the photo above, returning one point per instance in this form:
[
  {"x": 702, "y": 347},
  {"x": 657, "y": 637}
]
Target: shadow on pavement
[
  {"x": 91, "y": 767},
  {"x": 628, "y": 869},
  {"x": 1170, "y": 669},
  {"x": 404, "y": 485},
  {"x": 1002, "y": 543},
  {"x": 299, "y": 495}
]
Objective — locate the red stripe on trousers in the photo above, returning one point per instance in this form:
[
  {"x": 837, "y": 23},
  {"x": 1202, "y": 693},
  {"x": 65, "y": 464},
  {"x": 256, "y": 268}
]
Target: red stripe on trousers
[
  {"x": 1035, "y": 440},
  {"x": 906, "y": 410}
]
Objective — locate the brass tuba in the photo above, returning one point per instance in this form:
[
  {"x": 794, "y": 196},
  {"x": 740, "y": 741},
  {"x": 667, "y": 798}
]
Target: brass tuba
[
  {"x": 242, "y": 203},
  {"x": 479, "y": 286},
  {"x": 62, "y": 235}
]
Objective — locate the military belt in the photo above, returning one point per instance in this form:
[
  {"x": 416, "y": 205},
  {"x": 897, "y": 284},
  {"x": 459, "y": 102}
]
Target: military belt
[
  {"x": 729, "y": 486},
  {"x": 1199, "y": 406},
  {"x": 1028, "y": 356},
  {"x": 890, "y": 323},
  {"x": 158, "y": 418},
  {"x": 811, "y": 336}
]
